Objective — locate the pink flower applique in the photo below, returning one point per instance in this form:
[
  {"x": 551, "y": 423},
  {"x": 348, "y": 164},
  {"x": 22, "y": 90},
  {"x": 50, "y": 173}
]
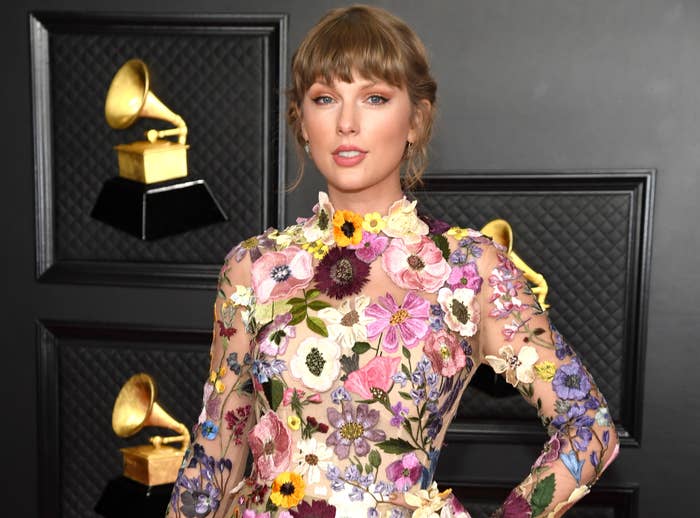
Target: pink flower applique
[
  {"x": 409, "y": 321},
  {"x": 550, "y": 453},
  {"x": 373, "y": 380},
  {"x": 249, "y": 513},
  {"x": 416, "y": 266},
  {"x": 465, "y": 276},
  {"x": 405, "y": 472},
  {"x": 277, "y": 274},
  {"x": 271, "y": 445},
  {"x": 444, "y": 352},
  {"x": 371, "y": 246},
  {"x": 288, "y": 394}
]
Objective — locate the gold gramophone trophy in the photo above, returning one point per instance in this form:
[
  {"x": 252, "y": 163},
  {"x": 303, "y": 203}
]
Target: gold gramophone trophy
[
  {"x": 501, "y": 232},
  {"x": 135, "y": 407},
  {"x": 153, "y": 196}
]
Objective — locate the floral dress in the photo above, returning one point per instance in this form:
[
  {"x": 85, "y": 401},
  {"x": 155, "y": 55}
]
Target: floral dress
[{"x": 341, "y": 348}]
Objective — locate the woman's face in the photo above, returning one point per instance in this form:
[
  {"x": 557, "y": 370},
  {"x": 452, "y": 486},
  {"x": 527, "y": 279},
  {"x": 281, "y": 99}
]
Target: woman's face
[{"x": 357, "y": 132}]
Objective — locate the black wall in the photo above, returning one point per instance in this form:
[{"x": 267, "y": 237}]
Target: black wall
[{"x": 523, "y": 84}]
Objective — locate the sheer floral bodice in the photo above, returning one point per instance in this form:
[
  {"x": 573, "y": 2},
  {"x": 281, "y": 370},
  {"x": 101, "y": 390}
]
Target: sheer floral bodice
[{"x": 342, "y": 346}]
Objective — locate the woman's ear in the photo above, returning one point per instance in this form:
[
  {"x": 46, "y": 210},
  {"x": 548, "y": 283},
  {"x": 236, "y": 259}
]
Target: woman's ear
[
  {"x": 303, "y": 129},
  {"x": 421, "y": 112}
]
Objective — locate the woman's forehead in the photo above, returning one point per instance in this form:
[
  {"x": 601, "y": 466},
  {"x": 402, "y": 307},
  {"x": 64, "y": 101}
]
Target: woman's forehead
[{"x": 357, "y": 78}]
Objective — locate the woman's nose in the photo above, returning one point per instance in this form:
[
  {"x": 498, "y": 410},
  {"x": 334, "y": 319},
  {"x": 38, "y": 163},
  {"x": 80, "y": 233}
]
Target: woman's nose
[{"x": 347, "y": 120}]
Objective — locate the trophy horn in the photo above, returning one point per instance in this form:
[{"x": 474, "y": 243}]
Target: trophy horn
[
  {"x": 501, "y": 232},
  {"x": 136, "y": 407},
  {"x": 129, "y": 97}
]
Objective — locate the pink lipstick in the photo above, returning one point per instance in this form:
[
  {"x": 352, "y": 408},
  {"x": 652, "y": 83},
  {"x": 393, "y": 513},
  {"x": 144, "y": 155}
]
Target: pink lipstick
[{"x": 348, "y": 156}]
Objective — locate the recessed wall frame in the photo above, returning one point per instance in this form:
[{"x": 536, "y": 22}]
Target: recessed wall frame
[
  {"x": 589, "y": 234},
  {"x": 224, "y": 73},
  {"x": 80, "y": 368}
]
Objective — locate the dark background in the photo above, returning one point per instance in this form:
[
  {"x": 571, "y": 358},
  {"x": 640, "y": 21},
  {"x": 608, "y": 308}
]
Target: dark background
[{"x": 523, "y": 85}]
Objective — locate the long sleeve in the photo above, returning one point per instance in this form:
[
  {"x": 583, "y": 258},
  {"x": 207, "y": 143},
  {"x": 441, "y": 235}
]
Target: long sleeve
[
  {"x": 216, "y": 460},
  {"x": 518, "y": 340}
]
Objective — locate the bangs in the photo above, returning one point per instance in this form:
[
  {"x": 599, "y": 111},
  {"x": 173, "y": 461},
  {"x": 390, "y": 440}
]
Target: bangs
[{"x": 352, "y": 43}]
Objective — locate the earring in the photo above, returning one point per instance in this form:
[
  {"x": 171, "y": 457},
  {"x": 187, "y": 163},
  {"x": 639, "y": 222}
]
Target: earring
[{"x": 307, "y": 148}]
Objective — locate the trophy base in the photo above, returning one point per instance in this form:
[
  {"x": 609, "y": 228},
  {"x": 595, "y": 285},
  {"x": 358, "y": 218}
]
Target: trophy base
[
  {"x": 152, "y": 211},
  {"x": 152, "y": 162},
  {"x": 152, "y": 466},
  {"x": 124, "y": 497}
]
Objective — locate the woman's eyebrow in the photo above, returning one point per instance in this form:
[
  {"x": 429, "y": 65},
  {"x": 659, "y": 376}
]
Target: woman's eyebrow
[{"x": 365, "y": 85}]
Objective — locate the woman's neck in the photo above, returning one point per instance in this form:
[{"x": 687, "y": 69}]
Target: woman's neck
[{"x": 365, "y": 201}]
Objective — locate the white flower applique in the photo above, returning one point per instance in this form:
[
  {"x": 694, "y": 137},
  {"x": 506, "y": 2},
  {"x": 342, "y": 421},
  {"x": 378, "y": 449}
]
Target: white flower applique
[
  {"x": 518, "y": 367},
  {"x": 316, "y": 363}
]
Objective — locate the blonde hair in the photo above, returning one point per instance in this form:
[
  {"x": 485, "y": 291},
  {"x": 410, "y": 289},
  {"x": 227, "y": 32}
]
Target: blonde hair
[{"x": 376, "y": 45}]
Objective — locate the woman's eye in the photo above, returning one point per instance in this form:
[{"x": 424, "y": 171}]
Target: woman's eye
[
  {"x": 377, "y": 99},
  {"x": 323, "y": 99}
]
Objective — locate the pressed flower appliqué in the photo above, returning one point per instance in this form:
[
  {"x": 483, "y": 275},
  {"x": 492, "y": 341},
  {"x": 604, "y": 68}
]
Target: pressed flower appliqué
[{"x": 342, "y": 346}]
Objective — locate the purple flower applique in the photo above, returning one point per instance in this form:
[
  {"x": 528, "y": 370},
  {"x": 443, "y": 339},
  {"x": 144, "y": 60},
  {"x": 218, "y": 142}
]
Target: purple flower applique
[
  {"x": 400, "y": 413},
  {"x": 435, "y": 226},
  {"x": 562, "y": 349},
  {"x": 335, "y": 478},
  {"x": 317, "y": 509},
  {"x": 515, "y": 506},
  {"x": 340, "y": 394},
  {"x": 273, "y": 339},
  {"x": 255, "y": 246},
  {"x": 471, "y": 245},
  {"x": 263, "y": 370},
  {"x": 353, "y": 427},
  {"x": 458, "y": 257},
  {"x": 371, "y": 246},
  {"x": 405, "y": 472},
  {"x": 198, "y": 500},
  {"x": 571, "y": 381},
  {"x": 436, "y": 317},
  {"x": 467, "y": 348},
  {"x": 400, "y": 378}
]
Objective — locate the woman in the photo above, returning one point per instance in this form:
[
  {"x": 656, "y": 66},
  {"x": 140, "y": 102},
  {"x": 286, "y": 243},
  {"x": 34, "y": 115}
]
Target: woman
[{"x": 343, "y": 343}]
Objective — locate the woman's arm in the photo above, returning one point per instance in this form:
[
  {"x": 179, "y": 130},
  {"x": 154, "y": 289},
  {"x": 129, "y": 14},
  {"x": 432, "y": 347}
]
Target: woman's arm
[
  {"x": 216, "y": 460},
  {"x": 517, "y": 339}
]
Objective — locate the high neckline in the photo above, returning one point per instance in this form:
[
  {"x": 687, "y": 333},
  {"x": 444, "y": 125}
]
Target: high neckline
[{"x": 337, "y": 227}]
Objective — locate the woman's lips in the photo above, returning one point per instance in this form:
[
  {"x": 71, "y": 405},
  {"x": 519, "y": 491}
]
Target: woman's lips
[{"x": 348, "y": 156}]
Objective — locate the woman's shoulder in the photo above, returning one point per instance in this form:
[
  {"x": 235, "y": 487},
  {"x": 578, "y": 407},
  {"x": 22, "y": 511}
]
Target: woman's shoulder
[
  {"x": 240, "y": 258},
  {"x": 464, "y": 244}
]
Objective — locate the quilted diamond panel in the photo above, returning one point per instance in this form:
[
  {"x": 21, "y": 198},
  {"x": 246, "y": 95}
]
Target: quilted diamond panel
[
  {"x": 91, "y": 372},
  {"x": 579, "y": 243},
  {"x": 216, "y": 80}
]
